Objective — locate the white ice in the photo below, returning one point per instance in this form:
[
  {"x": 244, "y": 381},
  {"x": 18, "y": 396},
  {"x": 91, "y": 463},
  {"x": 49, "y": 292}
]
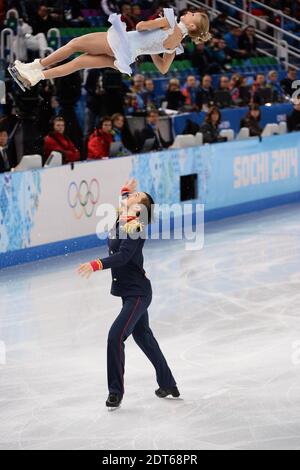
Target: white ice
[{"x": 227, "y": 319}]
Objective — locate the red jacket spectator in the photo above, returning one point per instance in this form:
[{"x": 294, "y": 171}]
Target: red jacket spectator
[
  {"x": 60, "y": 143},
  {"x": 57, "y": 141},
  {"x": 99, "y": 144},
  {"x": 127, "y": 17}
]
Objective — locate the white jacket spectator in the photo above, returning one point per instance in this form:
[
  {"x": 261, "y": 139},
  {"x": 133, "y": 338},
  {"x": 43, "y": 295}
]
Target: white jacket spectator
[{"x": 27, "y": 41}]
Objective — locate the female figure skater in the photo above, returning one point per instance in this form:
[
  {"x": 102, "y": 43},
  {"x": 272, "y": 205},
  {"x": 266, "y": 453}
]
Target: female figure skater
[
  {"x": 129, "y": 282},
  {"x": 118, "y": 48}
]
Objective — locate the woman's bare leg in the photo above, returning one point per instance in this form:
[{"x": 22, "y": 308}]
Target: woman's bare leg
[
  {"x": 93, "y": 43},
  {"x": 85, "y": 61}
]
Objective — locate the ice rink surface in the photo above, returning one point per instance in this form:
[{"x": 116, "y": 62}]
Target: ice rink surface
[{"x": 227, "y": 319}]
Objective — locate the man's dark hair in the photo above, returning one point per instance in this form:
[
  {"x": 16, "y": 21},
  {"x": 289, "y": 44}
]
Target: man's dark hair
[
  {"x": 153, "y": 111},
  {"x": 149, "y": 203},
  {"x": 104, "y": 119}
]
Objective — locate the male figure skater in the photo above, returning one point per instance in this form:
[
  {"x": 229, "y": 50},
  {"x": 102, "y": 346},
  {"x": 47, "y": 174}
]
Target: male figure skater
[{"x": 129, "y": 282}]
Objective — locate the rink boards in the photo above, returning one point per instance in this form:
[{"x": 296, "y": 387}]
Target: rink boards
[{"x": 51, "y": 212}]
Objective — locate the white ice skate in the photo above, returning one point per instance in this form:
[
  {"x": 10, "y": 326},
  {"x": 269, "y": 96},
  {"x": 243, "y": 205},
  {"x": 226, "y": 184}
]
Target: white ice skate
[
  {"x": 25, "y": 78},
  {"x": 35, "y": 65}
]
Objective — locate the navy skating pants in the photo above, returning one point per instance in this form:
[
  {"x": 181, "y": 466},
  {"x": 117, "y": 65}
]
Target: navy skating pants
[{"x": 133, "y": 319}]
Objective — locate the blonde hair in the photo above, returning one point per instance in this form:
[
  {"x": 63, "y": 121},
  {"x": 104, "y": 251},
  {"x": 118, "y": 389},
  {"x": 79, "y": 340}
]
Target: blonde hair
[{"x": 201, "y": 33}]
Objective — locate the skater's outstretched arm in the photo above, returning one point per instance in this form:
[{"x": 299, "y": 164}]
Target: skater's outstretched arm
[
  {"x": 163, "y": 64},
  {"x": 159, "y": 23}
]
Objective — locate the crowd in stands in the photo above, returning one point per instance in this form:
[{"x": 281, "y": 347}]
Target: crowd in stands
[{"x": 45, "y": 118}]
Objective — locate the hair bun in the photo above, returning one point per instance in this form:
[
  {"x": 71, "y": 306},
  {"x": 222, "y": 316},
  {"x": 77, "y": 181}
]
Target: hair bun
[{"x": 203, "y": 37}]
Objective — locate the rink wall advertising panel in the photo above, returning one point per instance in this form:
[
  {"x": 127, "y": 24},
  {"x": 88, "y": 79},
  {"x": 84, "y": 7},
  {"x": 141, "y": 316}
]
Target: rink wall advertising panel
[{"x": 53, "y": 211}]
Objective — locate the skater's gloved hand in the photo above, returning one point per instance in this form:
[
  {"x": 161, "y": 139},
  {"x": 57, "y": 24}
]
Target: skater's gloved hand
[{"x": 86, "y": 269}]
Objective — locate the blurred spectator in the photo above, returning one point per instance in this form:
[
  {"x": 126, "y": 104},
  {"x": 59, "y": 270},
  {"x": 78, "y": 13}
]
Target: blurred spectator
[
  {"x": 260, "y": 82},
  {"x": 28, "y": 42},
  {"x": 258, "y": 89},
  {"x": 293, "y": 119},
  {"x": 222, "y": 96},
  {"x": 252, "y": 121},
  {"x": 206, "y": 91},
  {"x": 232, "y": 40},
  {"x": 137, "y": 13},
  {"x": 221, "y": 55},
  {"x": 6, "y": 158},
  {"x": 57, "y": 141},
  {"x": 137, "y": 94},
  {"x": 248, "y": 42},
  {"x": 121, "y": 132},
  {"x": 224, "y": 84},
  {"x": 287, "y": 83},
  {"x": 274, "y": 84},
  {"x": 202, "y": 60},
  {"x": 99, "y": 141},
  {"x": 152, "y": 130},
  {"x": 127, "y": 17},
  {"x": 210, "y": 127},
  {"x": 149, "y": 95},
  {"x": 72, "y": 13},
  {"x": 174, "y": 98},
  {"x": 43, "y": 21},
  {"x": 236, "y": 83},
  {"x": 219, "y": 25},
  {"x": 289, "y": 25},
  {"x": 192, "y": 94},
  {"x": 94, "y": 99},
  {"x": 245, "y": 95}
]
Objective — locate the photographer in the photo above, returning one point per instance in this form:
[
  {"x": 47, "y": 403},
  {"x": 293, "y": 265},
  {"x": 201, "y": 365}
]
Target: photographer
[{"x": 6, "y": 157}]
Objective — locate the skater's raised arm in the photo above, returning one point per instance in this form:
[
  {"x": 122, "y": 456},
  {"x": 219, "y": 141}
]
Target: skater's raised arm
[
  {"x": 130, "y": 222},
  {"x": 158, "y": 23},
  {"x": 163, "y": 64}
]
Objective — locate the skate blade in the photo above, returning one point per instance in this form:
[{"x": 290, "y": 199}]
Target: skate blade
[
  {"x": 111, "y": 409},
  {"x": 18, "y": 79}
]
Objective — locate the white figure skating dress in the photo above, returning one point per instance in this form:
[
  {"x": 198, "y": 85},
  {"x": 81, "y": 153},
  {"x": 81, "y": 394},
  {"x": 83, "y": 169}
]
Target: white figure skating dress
[{"x": 127, "y": 46}]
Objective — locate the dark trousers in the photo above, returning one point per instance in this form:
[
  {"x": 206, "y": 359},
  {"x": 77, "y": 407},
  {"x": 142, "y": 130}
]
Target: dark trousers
[{"x": 133, "y": 319}]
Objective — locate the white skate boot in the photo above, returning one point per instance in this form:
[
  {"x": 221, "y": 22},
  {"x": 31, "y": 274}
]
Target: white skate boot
[
  {"x": 25, "y": 78},
  {"x": 35, "y": 65}
]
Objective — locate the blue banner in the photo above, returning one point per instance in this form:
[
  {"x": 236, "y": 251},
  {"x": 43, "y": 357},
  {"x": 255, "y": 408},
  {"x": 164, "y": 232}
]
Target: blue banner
[{"x": 229, "y": 174}]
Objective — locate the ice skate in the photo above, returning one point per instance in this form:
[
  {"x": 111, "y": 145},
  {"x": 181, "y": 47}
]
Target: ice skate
[
  {"x": 164, "y": 393},
  {"x": 17, "y": 78},
  {"x": 25, "y": 78},
  {"x": 113, "y": 402},
  {"x": 35, "y": 65}
]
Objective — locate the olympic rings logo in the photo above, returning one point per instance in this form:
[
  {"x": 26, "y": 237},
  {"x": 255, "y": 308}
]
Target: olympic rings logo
[{"x": 83, "y": 198}]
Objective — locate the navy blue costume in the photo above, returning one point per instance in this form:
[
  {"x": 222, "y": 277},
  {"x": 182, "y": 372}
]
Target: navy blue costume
[{"x": 130, "y": 282}]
